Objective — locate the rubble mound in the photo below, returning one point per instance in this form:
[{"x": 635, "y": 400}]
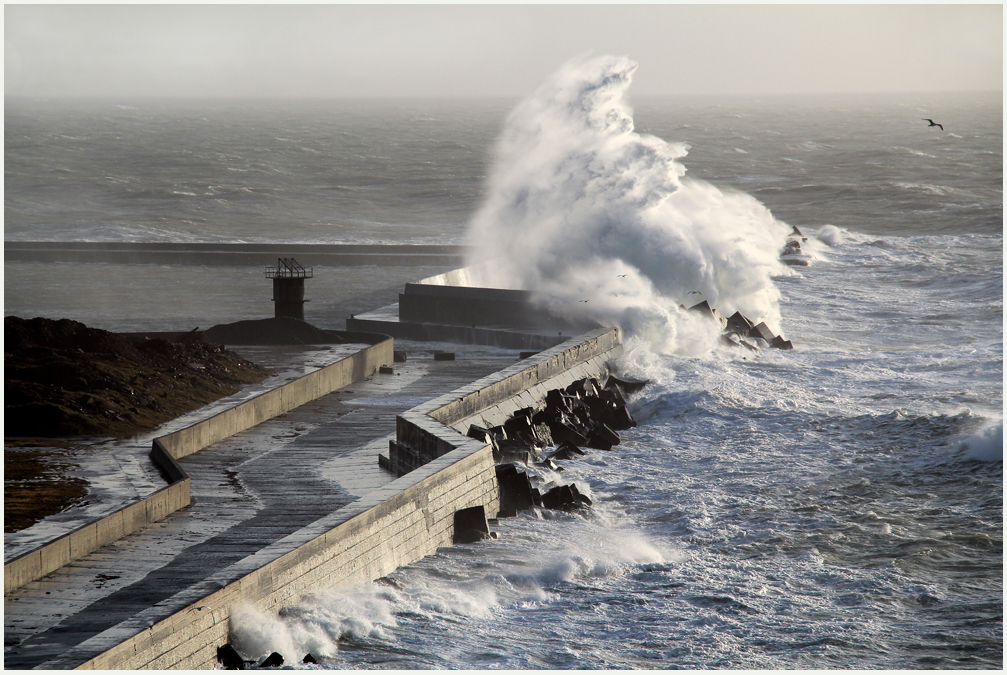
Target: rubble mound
[
  {"x": 272, "y": 331},
  {"x": 62, "y": 378}
]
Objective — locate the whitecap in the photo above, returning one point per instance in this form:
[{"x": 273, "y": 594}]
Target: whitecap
[{"x": 987, "y": 445}]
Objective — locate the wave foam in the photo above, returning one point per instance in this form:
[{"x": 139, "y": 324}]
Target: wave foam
[
  {"x": 987, "y": 445},
  {"x": 601, "y": 222}
]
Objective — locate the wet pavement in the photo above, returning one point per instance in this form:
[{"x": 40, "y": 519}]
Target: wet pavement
[
  {"x": 248, "y": 492},
  {"x": 119, "y": 471}
]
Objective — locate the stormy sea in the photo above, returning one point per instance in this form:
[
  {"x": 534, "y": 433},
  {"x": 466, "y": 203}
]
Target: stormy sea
[{"x": 837, "y": 505}]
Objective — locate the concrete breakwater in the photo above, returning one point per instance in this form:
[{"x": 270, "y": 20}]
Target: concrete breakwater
[
  {"x": 166, "y": 449},
  {"x": 391, "y": 526},
  {"x": 223, "y": 253}
]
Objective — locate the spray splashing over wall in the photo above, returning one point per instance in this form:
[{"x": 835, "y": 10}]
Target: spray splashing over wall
[{"x": 601, "y": 222}]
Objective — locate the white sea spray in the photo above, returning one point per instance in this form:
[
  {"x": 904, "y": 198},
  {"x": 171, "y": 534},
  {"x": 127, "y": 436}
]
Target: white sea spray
[
  {"x": 602, "y": 222},
  {"x": 986, "y": 445}
]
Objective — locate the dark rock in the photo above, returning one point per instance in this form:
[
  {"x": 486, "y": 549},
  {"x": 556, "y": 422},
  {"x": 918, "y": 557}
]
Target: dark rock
[
  {"x": 509, "y": 450},
  {"x": 547, "y": 417},
  {"x": 542, "y": 434},
  {"x": 518, "y": 427},
  {"x": 602, "y": 438},
  {"x": 621, "y": 419},
  {"x": 480, "y": 434},
  {"x": 549, "y": 464},
  {"x": 729, "y": 340},
  {"x": 566, "y": 450},
  {"x": 444, "y": 356},
  {"x": 583, "y": 388},
  {"x": 705, "y": 309},
  {"x": 582, "y": 499},
  {"x": 606, "y": 412},
  {"x": 739, "y": 323},
  {"x": 471, "y": 525},
  {"x": 779, "y": 343},
  {"x": 761, "y": 331},
  {"x": 274, "y": 660},
  {"x": 308, "y": 658},
  {"x": 558, "y": 400},
  {"x": 627, "y": 386},
  {"x": 613, "y": 394},
  {"x": 565, "y": 432},
  {"x": 229, "y": 658},
  {"x": 498, "y": 432},
  {"x": 516, "y": 490},
  {"x": 399, "y": 357},
  {"x": 386, "y": 370},
  {"x": 733, "y": 340},
  {"x": 564, "y": 498},
  {"x": 580, "y": 418}
]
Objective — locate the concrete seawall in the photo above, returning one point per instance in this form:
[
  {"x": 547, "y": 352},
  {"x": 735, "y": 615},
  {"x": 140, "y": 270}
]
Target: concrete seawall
[
  {"x": 420, "y": 432},
  {"x": 41, "y": 561},
  {"x": 398, "y": 524},
  {"x": 193, "y": 253}
]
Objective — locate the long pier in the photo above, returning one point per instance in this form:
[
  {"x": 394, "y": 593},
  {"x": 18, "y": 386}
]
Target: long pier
[
  {"x": 226, "y": 253},
  {"x": 288, "y": 506}
]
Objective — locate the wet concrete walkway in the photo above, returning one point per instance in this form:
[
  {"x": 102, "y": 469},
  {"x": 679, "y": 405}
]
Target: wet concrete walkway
[
  {"x": 248, "y": 492},
  {"x": 119, "y": 471}
]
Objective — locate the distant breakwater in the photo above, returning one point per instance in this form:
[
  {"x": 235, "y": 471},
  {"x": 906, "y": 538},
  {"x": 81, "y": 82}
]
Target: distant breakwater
[{"x": 237, "y": 254}]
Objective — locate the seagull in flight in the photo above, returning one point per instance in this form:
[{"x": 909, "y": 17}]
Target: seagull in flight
[{"x": 933, "y": 124}]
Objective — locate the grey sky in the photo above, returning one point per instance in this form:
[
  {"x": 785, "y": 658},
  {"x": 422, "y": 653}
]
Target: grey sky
[{"x": 498, "y": 50}]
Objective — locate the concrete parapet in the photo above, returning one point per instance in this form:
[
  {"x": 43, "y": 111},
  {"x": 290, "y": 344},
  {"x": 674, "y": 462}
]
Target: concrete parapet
[
  {"x": 406, "y": 520},
  {"x": 420, "y": 433},
  {"x": 49, "y": 557}
]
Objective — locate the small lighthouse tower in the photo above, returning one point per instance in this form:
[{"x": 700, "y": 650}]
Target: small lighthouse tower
[{"x": 288, "y": 287}]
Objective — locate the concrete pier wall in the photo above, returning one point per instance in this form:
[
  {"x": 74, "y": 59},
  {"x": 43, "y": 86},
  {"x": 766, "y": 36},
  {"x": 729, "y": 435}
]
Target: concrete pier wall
[
  {"x": 398, "y": 524},
  {"x": 408, "y": 519},
  {"x": 491, "y": 400},
  {"x": 38, "y": 562}
]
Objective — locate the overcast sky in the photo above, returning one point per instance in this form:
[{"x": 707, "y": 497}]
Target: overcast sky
[{"x": 494, "y": 50}]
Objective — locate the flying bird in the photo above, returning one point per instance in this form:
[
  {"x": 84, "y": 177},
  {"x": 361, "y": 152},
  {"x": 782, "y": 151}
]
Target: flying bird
[
  {"x": 933, "y": 124},
  {"x": 620, "y": 275}
]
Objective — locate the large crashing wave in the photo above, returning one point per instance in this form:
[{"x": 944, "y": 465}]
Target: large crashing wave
[{"x": 580, "y": 208}]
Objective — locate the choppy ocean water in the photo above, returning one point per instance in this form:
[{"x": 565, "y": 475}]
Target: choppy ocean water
[{"x": 835, "y": 506}]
